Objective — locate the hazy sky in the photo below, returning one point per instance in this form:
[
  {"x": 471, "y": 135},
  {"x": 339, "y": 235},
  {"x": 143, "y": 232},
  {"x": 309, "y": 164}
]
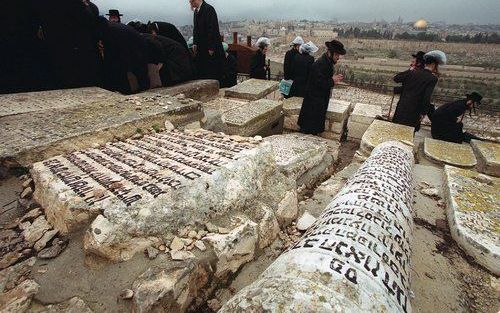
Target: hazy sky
[{"x": 178, "y": 12}]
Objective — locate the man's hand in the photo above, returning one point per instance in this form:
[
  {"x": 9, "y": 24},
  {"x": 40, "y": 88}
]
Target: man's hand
[
  {"x": 211, "y": 52},
  {"x": 195, "y": 49},
  {"x": 338, "y": 78}
]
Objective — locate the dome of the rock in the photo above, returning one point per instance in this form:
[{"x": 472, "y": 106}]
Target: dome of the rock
[{"x": 420, "y": 24}]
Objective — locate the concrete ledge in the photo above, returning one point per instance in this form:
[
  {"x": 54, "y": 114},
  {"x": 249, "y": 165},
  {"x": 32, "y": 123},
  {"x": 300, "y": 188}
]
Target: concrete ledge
[{"x": 473, "y": 205}]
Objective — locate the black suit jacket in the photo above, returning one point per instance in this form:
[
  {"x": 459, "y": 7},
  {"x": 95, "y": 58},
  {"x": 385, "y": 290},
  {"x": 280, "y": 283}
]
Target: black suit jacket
[
  {"x": 415, "y": 99},
  {"x": 206, "y": 34}
]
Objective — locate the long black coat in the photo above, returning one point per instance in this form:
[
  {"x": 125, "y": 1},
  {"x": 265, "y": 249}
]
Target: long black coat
[
  {"x": 301, "y": 64},
  {"x": 288, "y": 63},
  {"x": 206, "y": 36},
  {"x": 257, "y": 65},
  {"x": 444, "y": 122},
  {"x": 125, "y": 51},
  {"x": 70, "y": 36},
  {"x": 415, "y": 99},
  {"x": 170, "y": 31},
  {"x": 177, "y": 64},
  {"x": 230, "y": 77},
  {"x": 319, "y": 86}
]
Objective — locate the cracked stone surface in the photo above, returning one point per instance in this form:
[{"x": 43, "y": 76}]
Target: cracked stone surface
[
  {"x": 153, "y": 186},
  {"x": 473, "y": 210}
]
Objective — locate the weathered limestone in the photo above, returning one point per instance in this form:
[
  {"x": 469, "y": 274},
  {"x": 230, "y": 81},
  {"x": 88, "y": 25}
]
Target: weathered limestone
[
  {"x": 19, "y": 298},
  {"x": 154, "y": 186},
  {"x": 361, "y": 118},
  {"x": 488, "y": 157},
  {"x": 234, "y": 249},
  {"x": 201, "y": 90},
  {"x": 262, "y": 117},
  {"x": 18, "y": 103},
  {"x": 291, "y": 108},
  {"x": 450, "y": 153},
  {"x": 303, "y": 158},
  {"x": 473, "y": 210},
  {"x": 336, "y": 119},
  {"x": 35, "y": 136},
  {"x": 382, "y": 131},
  {"x": 356, "y": 256},
  {"x": 252, "y": 89}
]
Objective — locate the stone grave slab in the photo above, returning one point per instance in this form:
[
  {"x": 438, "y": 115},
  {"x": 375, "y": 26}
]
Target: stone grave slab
[
  {"x": 134, "y": 189},
  {"x": 18, "y": 103},
  {"x": 34, "y": 136},
  {"x": 252, "y": 89},
  {"x": 365, "y": 113},
  {"x": 338, "y": 111},
  {"x": 292, "y": 106},
  {"x": 473, "y": 210},
  {"x": 299, "y": 154},
  {"x": 335, "y": 266},
  {"x": 450, "y": 153},
  {"x": 488, "y": 157},
  {"x": 201, "y": 90},
  {"x": 361, "y": 118},
  {"x": 382, "y": 131},
  {"x": 223, "y": 105},
  {"x": 252, "y": 118}
]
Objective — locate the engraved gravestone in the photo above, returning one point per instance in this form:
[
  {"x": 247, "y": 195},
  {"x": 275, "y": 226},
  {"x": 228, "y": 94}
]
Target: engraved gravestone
[
  {"x": 155, "y": 185},
  {"x": 356, "y": 257}
]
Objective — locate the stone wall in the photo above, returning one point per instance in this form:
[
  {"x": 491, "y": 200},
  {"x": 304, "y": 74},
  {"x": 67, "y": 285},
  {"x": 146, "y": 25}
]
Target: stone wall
[{"x": 356, "y": 256}]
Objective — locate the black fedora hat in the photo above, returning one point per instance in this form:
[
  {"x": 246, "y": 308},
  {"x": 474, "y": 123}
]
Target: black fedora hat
[
  {"x": 475, "y": 97},
  {"x": 419, "y": 55},
  {"x": 114, "y": 12},
  {"x": 335, "y": 46}
]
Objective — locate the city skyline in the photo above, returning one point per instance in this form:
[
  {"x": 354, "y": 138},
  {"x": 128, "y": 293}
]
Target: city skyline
[{"x": 449, "y": 11}]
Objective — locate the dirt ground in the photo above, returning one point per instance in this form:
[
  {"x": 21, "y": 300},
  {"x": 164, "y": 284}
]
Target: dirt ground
[{"x": 444, "y": 278}]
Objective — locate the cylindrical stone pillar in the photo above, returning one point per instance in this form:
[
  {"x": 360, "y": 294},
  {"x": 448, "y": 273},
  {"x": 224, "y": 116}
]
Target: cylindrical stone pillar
[{"x": 356, "y": 257}]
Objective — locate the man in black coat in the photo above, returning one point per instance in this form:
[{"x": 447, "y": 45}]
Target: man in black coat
[
  {"x": 416, "y": 93},
  {"x": 447, "y": 119},
  {"x": 125, "y": 58},
  {"x": 319, "y": 85},
  {"x": 68, "y": 29},
  {"x": 167, "y": 30},
  {"x": 230, "y": 76},
  {"x": 177, "y": 66},
  {"x": 289, "y": 56},
  {"x": 258, "y": 67},
  {"x": 207, "y": 44},
  {"x": 302, "y": 64}
]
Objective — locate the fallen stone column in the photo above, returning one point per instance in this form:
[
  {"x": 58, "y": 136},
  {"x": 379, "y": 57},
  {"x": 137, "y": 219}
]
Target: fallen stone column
[{"x": 356, "y": 257}]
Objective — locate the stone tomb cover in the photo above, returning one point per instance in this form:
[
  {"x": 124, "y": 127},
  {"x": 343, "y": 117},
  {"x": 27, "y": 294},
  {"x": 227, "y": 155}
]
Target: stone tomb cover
[
  {"x": 252, "y": 89},
  {"x": 248, "y": 120},
  {"x": 474, "y": 214},
  {"x": 154, "y": 186},
  {"x": 450, "y": 153}
]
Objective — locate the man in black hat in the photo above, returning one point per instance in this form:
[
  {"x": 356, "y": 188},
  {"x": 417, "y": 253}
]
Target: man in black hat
[
  {"x": 319, "y": 85},
  {"x": 114, "y": 16},
  {"x": 447, "y": 120},
  {"x": 417, "y": 61}
]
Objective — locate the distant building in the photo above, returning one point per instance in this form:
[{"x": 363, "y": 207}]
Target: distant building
[{"x": 324, "y": 34}]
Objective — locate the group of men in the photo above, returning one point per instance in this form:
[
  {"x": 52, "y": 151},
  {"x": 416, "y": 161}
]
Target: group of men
[
  {"x": 417, "y": 86},
  {"x": 68, "y": 44}
]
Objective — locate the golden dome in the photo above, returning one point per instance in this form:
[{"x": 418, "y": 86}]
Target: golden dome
[{"x": 420, "y": 24}]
